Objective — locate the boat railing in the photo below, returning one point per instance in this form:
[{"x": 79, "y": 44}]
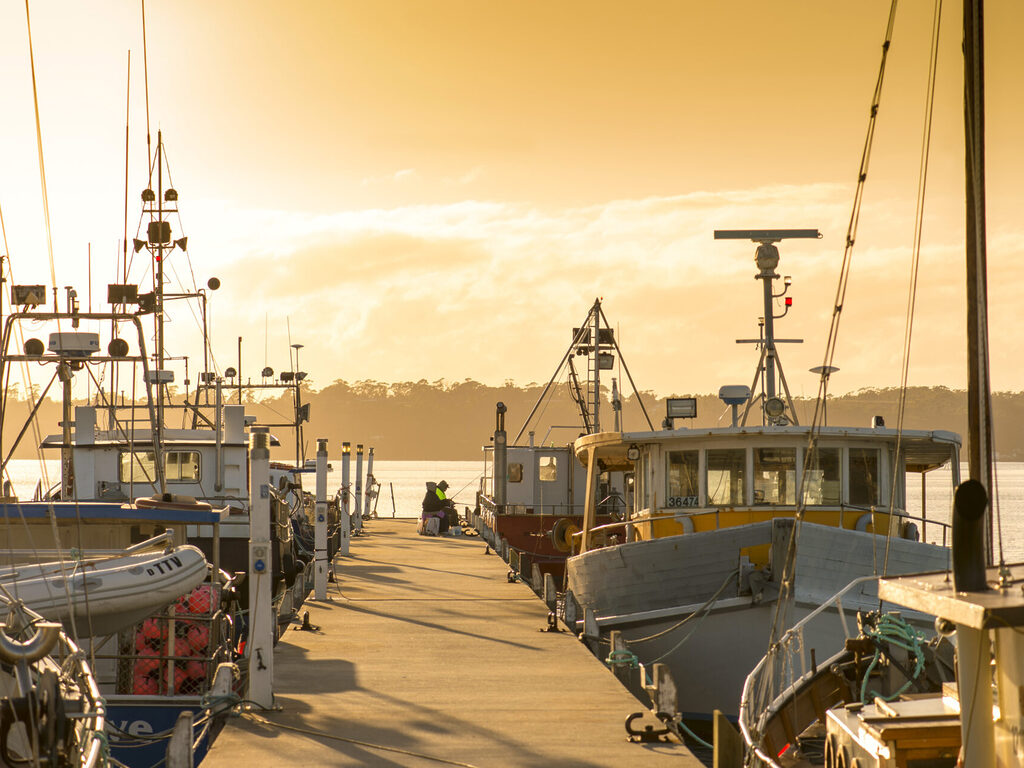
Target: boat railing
[
  {"x": 488, "y": 506},
  {"x": 769, "y": 683},
  {"x": 90, "y": 709}
]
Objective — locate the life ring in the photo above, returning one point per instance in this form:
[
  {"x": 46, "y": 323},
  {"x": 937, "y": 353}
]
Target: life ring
[{"x": 562, "y": 532}]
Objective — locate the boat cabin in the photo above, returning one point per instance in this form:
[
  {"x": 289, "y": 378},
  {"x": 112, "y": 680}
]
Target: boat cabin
[{"x": 691, "y": 480}]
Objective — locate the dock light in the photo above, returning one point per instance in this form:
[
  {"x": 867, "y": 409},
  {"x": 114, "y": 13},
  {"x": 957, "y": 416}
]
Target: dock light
[
  {"x": 171, "y": 195},
  {"x": 346, "y": 448},
  {"x": 231, "y": 373},
  {"x": 148, "y": 196},
  {"x": 359, "y": 449},
  {"x": 137, "y": 244},
  {"x": 28, "y": 295}
]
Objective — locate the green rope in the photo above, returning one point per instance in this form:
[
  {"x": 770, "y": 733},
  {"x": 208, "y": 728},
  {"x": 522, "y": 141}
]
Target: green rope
[
  {"x": 623, "y": 657},
  {"x": 890, "y": 630}
]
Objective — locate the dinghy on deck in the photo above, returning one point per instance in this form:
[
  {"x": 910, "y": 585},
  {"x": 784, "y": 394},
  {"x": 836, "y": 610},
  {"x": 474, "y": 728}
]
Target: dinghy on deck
[{"x": 103, "y": 595}]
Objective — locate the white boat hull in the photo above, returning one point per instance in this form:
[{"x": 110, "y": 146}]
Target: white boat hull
[
  {"x": 103, "y": 596},
  {"x": 643, "y": 588}
]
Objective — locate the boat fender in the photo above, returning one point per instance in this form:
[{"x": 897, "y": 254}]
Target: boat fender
[
  {"x": 910, "y": 532},
  {"x": 687, "y": 523},
  {"x": 863, "y": 522}
]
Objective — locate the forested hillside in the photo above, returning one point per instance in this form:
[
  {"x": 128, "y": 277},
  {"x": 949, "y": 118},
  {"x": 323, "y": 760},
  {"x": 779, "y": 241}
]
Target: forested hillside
[{"x": 452, "y": 420}]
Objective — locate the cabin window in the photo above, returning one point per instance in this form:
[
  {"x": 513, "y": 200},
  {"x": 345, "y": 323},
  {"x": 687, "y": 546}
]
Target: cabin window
[
  {"x": 822, "y": 479},
  {"x": 138, "y": 467},
  {"x": 515, "y": 473},
  {"x": 548, "y": 470},
  {"x": 683, "y": 482},
  {"x": 775, "y": 475},
  {"x": 863, "y": 477},
  {"x": 179, "y": 467},
  {"x": 725, "y": 476},
  {"x": 182, "y": 466}
]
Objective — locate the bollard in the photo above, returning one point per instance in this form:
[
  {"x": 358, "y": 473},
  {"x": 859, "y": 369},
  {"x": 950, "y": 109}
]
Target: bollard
[
  {"x": 259, "y": 647},
  {"x": 359, "y": 488},
  {"x": 320, "y": 526},
  {"x": 179, "y": 752},
  {"x": 550, "y": 593},
  {"x": 344, "y": 516}
]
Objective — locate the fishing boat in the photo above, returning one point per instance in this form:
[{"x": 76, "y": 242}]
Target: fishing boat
[
  {"x": 894, "y": 699},
  {"x": 531, "y": 495},
  {"x": 697, "y": 574}
]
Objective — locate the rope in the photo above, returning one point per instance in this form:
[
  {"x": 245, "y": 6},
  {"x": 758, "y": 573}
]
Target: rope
[
  {"x": 334, "y": 737},
  {"x": 707, "y": 605},
  {"x": 891, "y": 630},
  {"x": 922, "y": 183}
]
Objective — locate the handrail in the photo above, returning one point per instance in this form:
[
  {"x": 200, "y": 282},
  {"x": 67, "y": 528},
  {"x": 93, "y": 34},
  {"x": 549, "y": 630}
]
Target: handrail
[{"x": 793, "y": 634}]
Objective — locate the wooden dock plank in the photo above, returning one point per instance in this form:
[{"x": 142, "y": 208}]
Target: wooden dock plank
[{"x": 425, "y": 648}]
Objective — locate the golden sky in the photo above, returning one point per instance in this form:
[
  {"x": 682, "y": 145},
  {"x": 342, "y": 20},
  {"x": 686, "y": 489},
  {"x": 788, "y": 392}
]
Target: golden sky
[{"x": 427, "y": 189}]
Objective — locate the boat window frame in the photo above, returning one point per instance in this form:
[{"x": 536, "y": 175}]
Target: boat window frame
[
  {"x": 692, "y": 501},
  {"x": 143, "y": 472}
]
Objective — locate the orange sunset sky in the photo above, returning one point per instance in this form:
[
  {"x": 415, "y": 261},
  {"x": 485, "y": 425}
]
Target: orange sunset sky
[{"x": 427, "y": 189}]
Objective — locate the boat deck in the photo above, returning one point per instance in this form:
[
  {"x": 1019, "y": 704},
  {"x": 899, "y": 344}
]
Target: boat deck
[{"x": 426, "y": 655}]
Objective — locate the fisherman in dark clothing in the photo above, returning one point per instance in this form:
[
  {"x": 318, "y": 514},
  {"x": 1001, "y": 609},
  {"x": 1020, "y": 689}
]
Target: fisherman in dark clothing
[
  {"x": 435, "y": 504},
  {"x": 445, "y": 505}
]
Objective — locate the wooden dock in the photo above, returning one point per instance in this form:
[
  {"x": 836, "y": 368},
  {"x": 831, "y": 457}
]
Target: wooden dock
[{"x": 426, "y": 655}]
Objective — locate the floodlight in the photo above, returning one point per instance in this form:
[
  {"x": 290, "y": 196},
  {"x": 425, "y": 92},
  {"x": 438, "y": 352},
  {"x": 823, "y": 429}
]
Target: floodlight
[
  {"x": 681, "y": 407},
  {"x": 774, "y": 407},
  {"x": 28, "y": 295}
]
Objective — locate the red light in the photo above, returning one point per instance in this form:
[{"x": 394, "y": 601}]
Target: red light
[
  {"x": 789, "y": 301},
  {"x": 781, "y": 751}
]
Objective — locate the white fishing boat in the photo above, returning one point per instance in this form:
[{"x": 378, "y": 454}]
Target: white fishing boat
[{"x": 714, "y": 549}]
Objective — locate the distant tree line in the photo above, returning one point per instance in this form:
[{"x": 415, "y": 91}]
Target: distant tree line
[{"x": 452, "y": 420}]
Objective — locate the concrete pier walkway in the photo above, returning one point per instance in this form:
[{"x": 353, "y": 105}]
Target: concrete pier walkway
[{"x": 427, "y": 656}]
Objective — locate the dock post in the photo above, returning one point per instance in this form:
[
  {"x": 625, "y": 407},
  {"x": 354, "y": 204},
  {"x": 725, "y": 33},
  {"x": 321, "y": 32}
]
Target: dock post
[
  {"x": 359, "y": 488},
  {"x": 344, "y": 520},
  {"x": 728, "y": 743},
  {"x": 259, "y": 647},
  {"x": 179, "y": 752},
  {"x": 368, "y": 491},
  {"x": 320, "y": 526},
  {"x": 550, "y": 593}
]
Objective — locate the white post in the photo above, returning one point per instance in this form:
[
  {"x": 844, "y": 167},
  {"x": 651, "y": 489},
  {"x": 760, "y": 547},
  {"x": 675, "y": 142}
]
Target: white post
[
  {"x": 359, "y": 487},
  {"x": 259, "y": 647},
  {"x": 973, "y": 656},
  {"x": 320, "y": 526},
  {"x": 368, "y": 493},
  {"x": 343, "y": 515}
]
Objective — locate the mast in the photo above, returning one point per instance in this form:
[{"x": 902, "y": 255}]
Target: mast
[{"x": 979, "y": 415}]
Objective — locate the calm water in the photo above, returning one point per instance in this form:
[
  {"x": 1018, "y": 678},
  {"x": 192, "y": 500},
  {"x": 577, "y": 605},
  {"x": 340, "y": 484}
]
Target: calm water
[{"x": 404, "y": 482}]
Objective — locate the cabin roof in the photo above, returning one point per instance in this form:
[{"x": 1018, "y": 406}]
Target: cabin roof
[
  {"x": 924, "y": 449},
  {"x": 173, "y": 438}
]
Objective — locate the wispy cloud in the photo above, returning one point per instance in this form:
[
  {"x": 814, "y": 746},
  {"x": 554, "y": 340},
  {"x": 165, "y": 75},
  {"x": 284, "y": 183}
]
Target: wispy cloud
[{"x": 490, "y": 290}]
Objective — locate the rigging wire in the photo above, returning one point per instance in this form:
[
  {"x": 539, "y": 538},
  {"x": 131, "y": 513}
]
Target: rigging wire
[
  {"x": 810, "y": 455},
  {"x": 915, "y": 261}
]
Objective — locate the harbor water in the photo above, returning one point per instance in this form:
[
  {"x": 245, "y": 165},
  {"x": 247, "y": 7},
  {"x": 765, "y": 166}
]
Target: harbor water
[{"x": 404, "y": 482}]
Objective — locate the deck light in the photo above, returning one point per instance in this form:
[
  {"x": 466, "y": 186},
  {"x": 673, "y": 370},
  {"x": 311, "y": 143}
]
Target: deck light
[
  {"x": 34, "y": 348},
  {"x": 148, "y": 196},
  {"x": 681, "y": 407},
  {"x": 268, "y": 372},
  {"x": 231, "y": 373},
  {"x": 633, "y": 452},
  {"x": 774, "y": 407},
  {"x": 171, "y": 195}
]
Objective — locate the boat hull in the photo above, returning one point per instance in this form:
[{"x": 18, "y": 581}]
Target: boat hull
[{"x": 645, "y": 588}]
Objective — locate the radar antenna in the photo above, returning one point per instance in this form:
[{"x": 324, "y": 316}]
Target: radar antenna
[{"x": 767, "y": 258}]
